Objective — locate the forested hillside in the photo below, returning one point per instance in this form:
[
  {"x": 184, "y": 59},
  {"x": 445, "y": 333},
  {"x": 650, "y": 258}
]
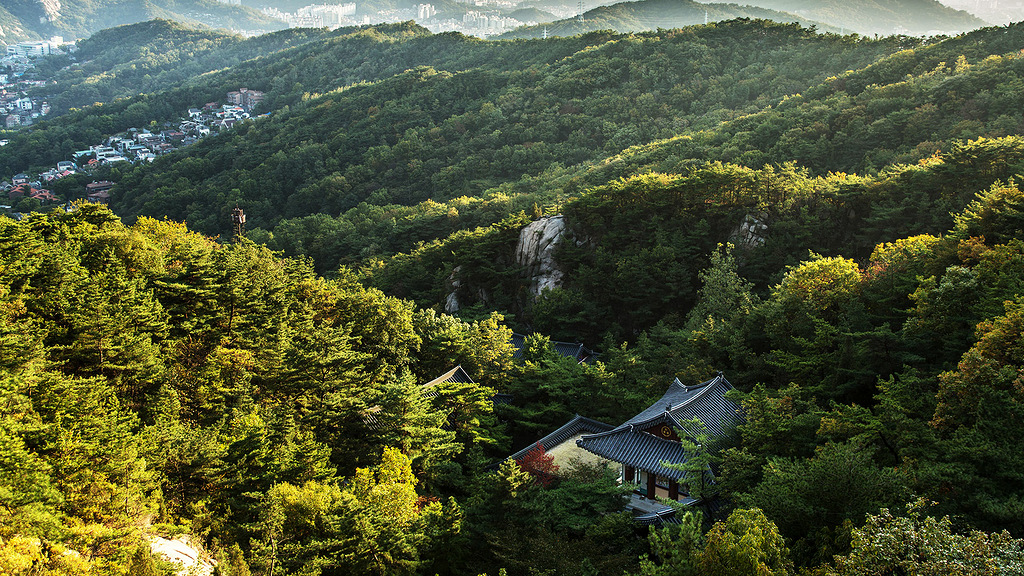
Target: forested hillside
[
  {"x": 834, "y": 222},
  {"x": 468, "y": 124},
  {"x": 152, "y": 56}
]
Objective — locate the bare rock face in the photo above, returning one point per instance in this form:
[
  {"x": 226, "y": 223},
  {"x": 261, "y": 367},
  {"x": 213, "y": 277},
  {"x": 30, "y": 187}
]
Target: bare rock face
[
  {"x": 451, "y": 303},
  {"x": 751, "y": 233},
  {"x": 536, "y": 252},
  {"x": 193, "y": 561},
  {"x": 52, "y": 9}
]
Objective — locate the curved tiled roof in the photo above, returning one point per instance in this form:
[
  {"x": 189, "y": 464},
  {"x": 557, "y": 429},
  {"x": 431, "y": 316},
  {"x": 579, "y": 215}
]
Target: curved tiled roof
[
  {"x": 630, "y": 445},
  {"x": 705, "y": 401},
  {"x": 457, "y": 374},
  {"x": 640, "y": 450}
]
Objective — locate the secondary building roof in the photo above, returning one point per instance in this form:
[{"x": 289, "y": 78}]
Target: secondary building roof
[
  {"x": 577, "y": 425},
  {"x": 575, "y": 350}
]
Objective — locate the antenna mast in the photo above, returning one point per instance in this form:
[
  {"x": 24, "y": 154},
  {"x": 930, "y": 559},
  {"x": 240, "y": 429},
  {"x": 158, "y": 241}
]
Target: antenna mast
[{"x": 579, "y": 9}]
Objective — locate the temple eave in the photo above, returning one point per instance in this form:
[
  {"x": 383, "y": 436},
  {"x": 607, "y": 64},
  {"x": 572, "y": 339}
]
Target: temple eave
[{"x": 647, "y": 454}]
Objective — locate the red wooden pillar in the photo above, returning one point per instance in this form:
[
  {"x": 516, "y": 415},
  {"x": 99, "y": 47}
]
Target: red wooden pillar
[
  {"x": 629, "y": 474},
  {"x": 651, "y": 488}
]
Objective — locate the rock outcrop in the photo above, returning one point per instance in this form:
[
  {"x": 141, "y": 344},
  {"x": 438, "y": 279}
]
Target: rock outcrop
[
  {"x": 52, "y": 10},
  {"x": 451, "y": 303},
  {"x": 536, "y": 252},
  {"x": 181, "y": 550},
  {"x": 751, "y": 233}
]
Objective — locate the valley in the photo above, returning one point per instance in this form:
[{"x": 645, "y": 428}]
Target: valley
[{"x": 634, "y": 294}]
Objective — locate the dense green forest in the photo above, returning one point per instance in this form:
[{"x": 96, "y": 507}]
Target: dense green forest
[
  {"x": 152, "y": 56},
  {"x": 438, "y": 134},
  {"x": 834, "y": 222}
]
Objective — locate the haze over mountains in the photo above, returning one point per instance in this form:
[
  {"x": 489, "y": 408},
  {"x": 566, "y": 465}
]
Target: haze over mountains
[
  {"x": 912, "y": 17},
  {"x": 653, "y": 14},
  {"x": 865, "y": 17},
  {"x": 33, "y": 19}
]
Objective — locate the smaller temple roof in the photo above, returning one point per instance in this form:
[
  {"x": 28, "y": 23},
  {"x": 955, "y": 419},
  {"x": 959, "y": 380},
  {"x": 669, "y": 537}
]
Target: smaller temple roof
[
  {"x": 659, "y": 518},
  {"x": 575, "y": 350},
  {"x": 457, "y": 374},
  {"x": 571, "y": 428}
]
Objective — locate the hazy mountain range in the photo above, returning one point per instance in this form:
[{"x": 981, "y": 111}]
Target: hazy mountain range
[{"x": 33, "y": 19}]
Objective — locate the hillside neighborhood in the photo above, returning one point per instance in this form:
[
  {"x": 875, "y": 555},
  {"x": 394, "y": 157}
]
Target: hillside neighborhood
[
  {"x": 17, "y": 107},
  {"x": 134, "y": 146}
]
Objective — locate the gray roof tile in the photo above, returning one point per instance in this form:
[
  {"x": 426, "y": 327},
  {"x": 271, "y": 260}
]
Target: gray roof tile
[{"x": 630, "y": 445}]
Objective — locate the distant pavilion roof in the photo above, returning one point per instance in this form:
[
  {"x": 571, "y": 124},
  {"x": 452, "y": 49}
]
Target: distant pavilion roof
[
  {"x": 457, "y": 374},
  {"x": 629, "y": 444},
  {"x": 575, "y": 350}
]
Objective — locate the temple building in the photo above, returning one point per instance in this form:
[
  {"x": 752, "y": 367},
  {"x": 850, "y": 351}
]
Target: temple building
[{"x": 647, "y": 441}]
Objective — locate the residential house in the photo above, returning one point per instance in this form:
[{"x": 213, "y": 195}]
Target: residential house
[
  {"x": 50, "y": 175},
  {"x": 245, "y": 98},
  {"x": 101, "y": 186},
  {"x": 22, "y": 190},
  {"x": 99, "y": 192},
  {"x": 42, "y": 195}
]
